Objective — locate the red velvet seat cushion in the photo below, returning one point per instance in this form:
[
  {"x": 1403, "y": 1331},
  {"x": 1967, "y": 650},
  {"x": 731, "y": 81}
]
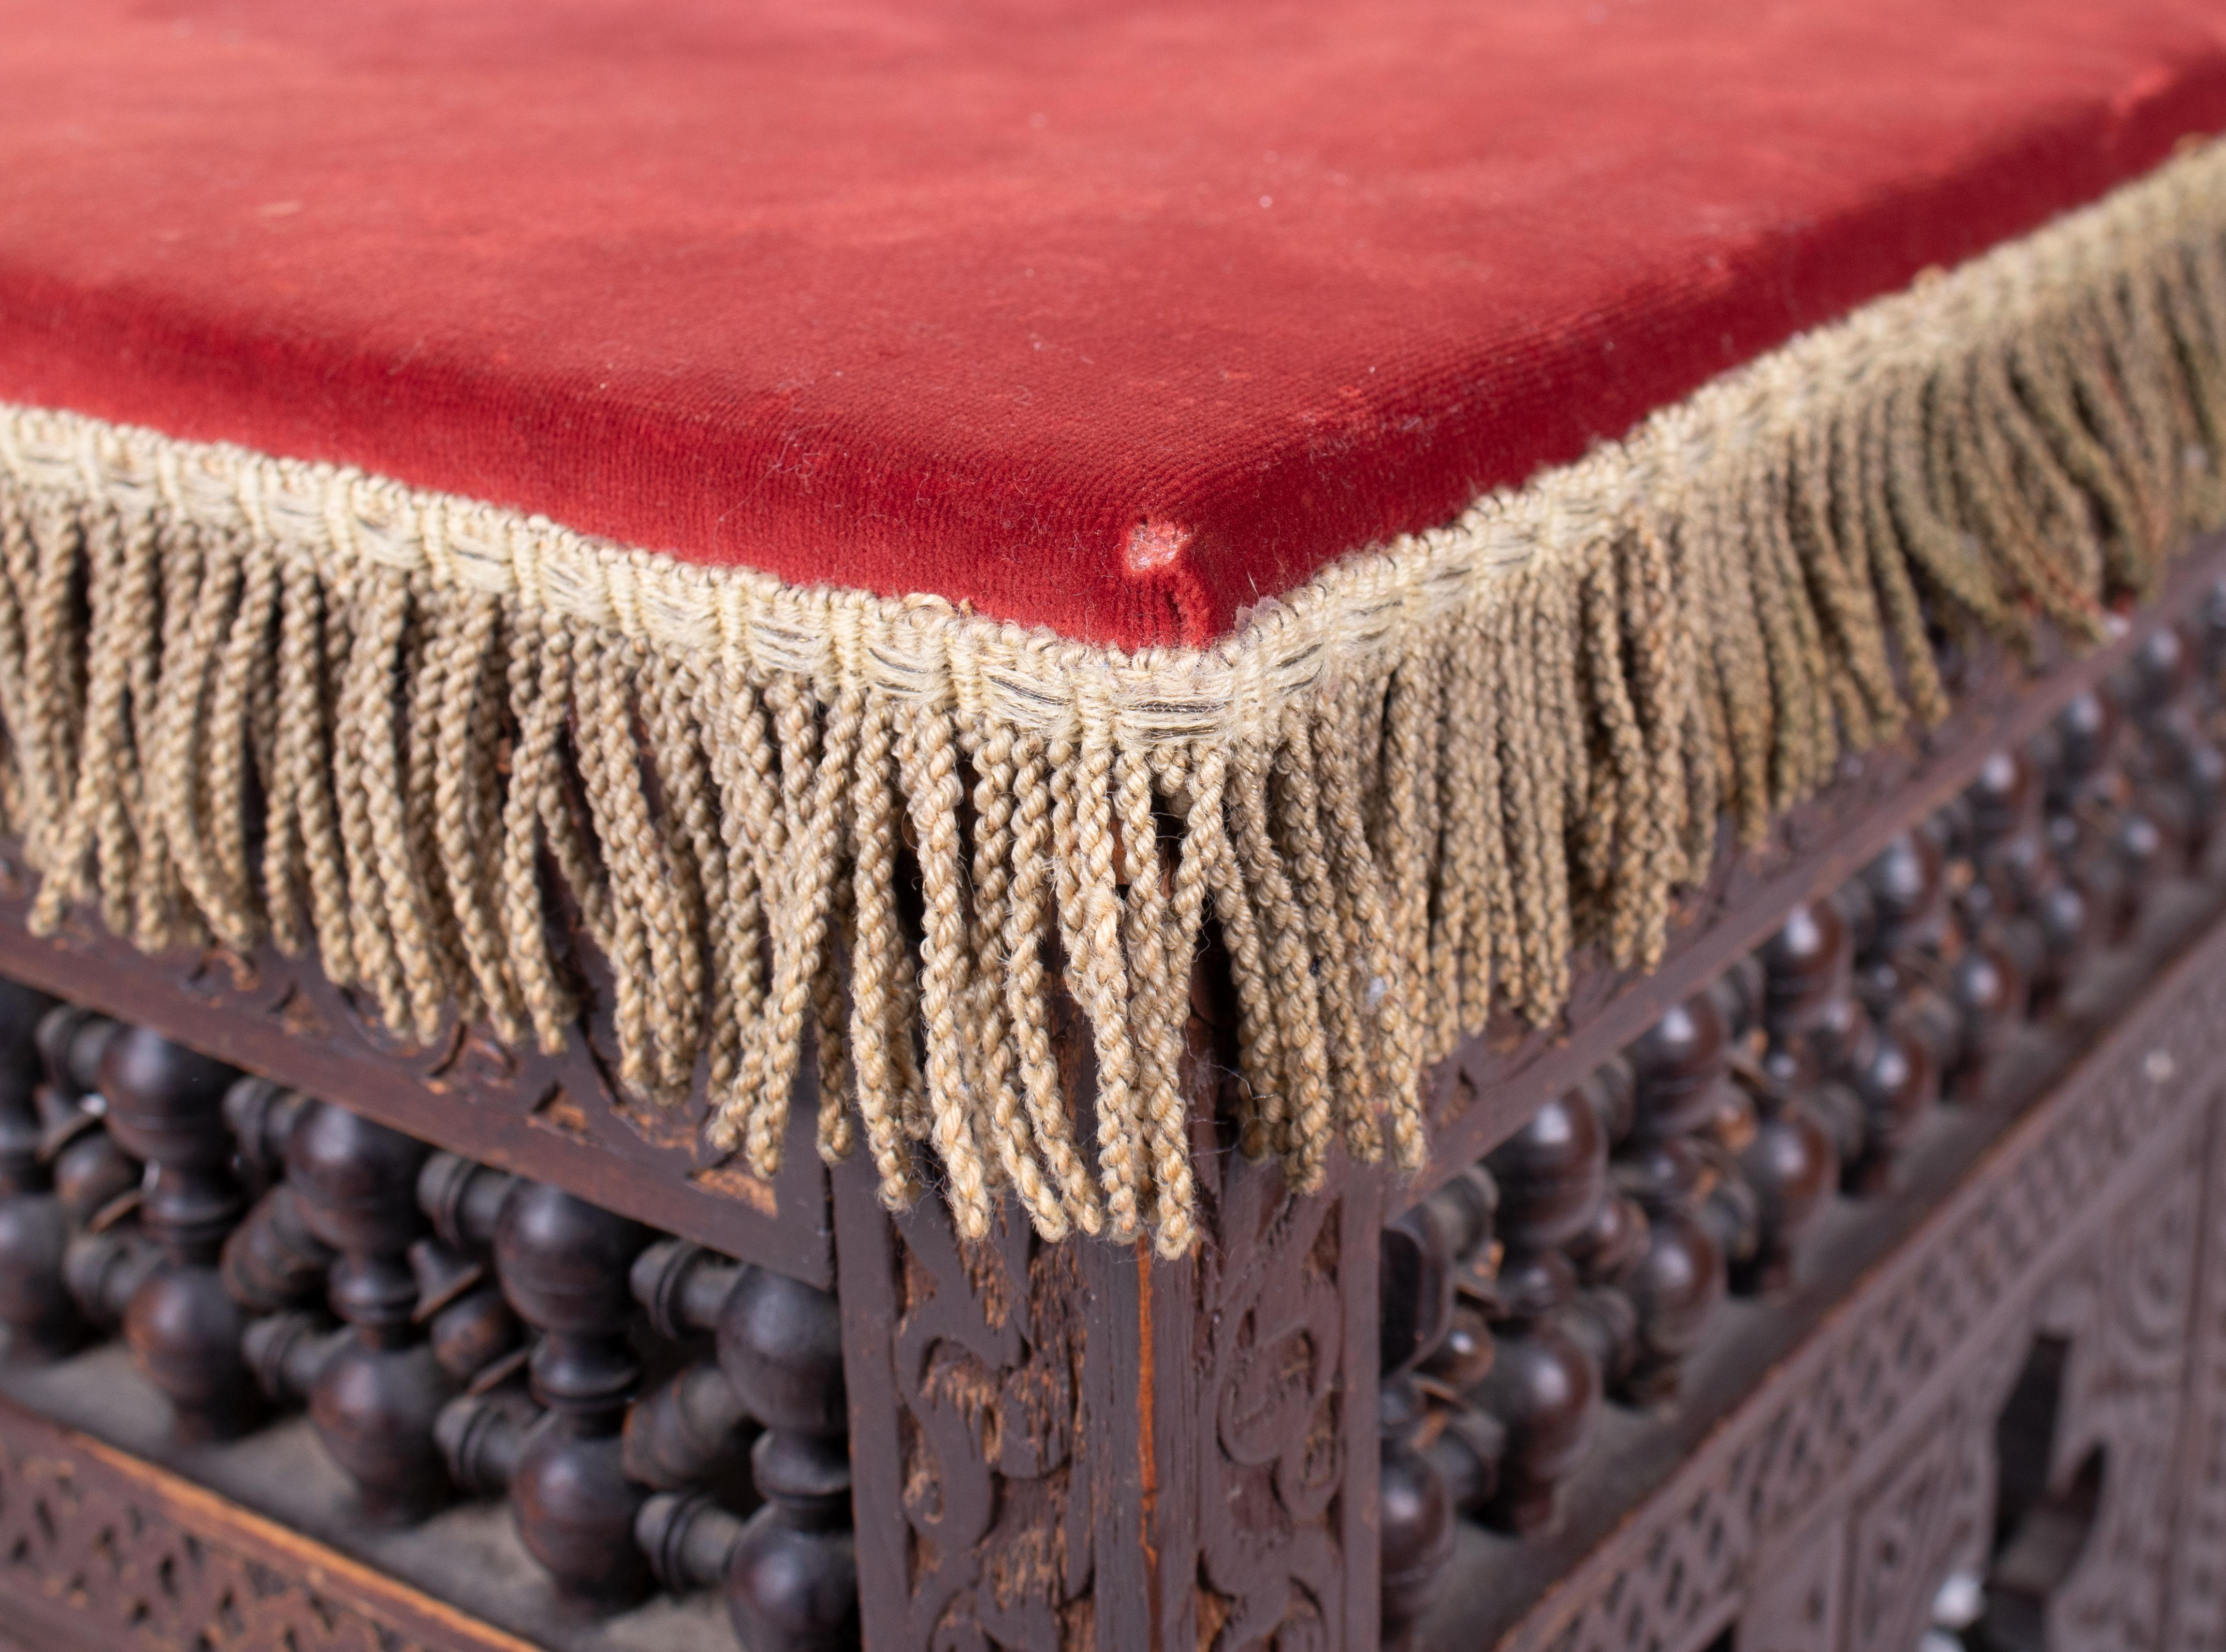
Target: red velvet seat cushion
[{"x": 1109, "y": 318}]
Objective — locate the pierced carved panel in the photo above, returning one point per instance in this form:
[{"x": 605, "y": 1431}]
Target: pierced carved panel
[
  {"x": 2197, "y": 1608},
  {"x": 966, "y": 1384},
  {"x": 1272, "y": 1561},
  {"x": 1878, "y": 1435},
  {"x": 121, "y": 1573}
]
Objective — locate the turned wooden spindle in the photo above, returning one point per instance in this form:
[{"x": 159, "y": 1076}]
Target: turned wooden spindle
[
  {"x": 2112, "y": 848},
  {"x": 480, "y": 1433},
  {"x": 1677, "y": 1282},
  {"x": 1608, "y": 1251},
  {"x": 789, "y": 1573},
  {"x": 375, "y": 1397},
  {"x": 2044, "y": 918},
  {"x": 694, "y": 1543},
  {"x": 166, "y": 1107},
  {"x": 1423, "y": 1258},
  {"x": 563, "y": 1265},
  {"x": 287, "y": 1350},
  {"x": 1791, "y": 1162},
  {"x": 1543, "y": 1386},
  {"x": 34, "y": 1225},
  {"x": 1417, "y": 1509},
  {"x": 261, "y": 1115},
  {"x": 469, "y": 1326},
  {"x": 1904, "y": 929},
  {"x": 470, "y": 1329},
  {"x": 2180, "y": 771},
  {"x": 481, "y": 1436},
  {"x": 684, "y": 1432},
  {"x": 1961, "y": 989},
  {"x": 271, "y": 1261},
  {"x": 92, "y": 1176},
  {"x": 1786, "y": 1150},
  {"x": 1423, "y": 1255},
  {"x": 1821, "y": 1035},
  {"x": 104, "y": 1269},
  {"x": 99, "y": 1185},
  {"x": 1451, "y": 1363}
]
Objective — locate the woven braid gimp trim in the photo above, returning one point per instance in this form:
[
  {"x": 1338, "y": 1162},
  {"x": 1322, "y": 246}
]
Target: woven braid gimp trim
[{"x": 245, "y": 698}]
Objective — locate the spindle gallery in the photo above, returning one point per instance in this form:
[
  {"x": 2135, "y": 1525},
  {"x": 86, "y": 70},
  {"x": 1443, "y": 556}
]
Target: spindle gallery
[{"x": 962, "y": 828}]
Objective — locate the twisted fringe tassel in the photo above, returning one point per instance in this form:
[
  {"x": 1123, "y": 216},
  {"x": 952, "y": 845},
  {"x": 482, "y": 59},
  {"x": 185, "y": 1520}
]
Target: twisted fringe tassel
[{"x": 1423, "y": 784}]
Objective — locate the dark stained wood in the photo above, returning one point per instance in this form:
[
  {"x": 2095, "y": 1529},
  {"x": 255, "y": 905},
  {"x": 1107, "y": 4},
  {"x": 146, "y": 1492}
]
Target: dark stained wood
[
  {"x": 938, "y": 1340},
  {"x": 1792, "y": 1409},
  {"x": 467, "y": 1562},
  {"x": 1676, "y": 1283},
  {"x": 34, "y": 1220},
  {"x": 789, "y": 1573},
  {"x": 1499, "y": 1078},
  {"x": 166, "y": 1108},
  {"x": 377, "y": 1391},
  {"x": 563, "y": 1264},
  {"x": 2196, "y": 1584},
  {"x": 108, "y": 1551},
  {"x": 559, "y": 1119},
  {"x": 1092, "y": 1449},
  {"x": 1261, "y": 1445},
  {"x": 1543, "y": 1384}
]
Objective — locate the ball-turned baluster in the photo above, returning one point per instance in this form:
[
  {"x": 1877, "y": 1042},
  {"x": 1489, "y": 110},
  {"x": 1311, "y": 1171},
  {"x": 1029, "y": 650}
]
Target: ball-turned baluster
[
  {"x": 1609, "y": 1250},
  {"x": 375, "y": 1396},
  {"x": 100, "y": 1185},
  {"x": 793, "y": 1584},
  {"x": 1821, "y": 1035},
  {"x": 789, "y": 1573},
  {"x": 94, "y": 1178},
  {"x": 273, "y": 1262},
  {"x": 562, "y": 1264},
  {"x": 2115, "y": 850},
  {"x": 470, "y": 1327},
  {"x": 1960, "y": 989},
  {"x": 1422, "y": 1256},
  {"x": 2178, "y": 768},
  {"x": 683, "y": 1432},
  {"x": 1905, "y": 931},
  {"x": 1543, "y": 1386},
  {"x": 166, "y": 1107},
  {"x": 1786, "y": 1149},
  {"x": 34, "y": 1226},
  {"x": 2045, "y": 919},
  {"x": 483, "y": 1431},
  {"x": 1680, "y": 1280}
]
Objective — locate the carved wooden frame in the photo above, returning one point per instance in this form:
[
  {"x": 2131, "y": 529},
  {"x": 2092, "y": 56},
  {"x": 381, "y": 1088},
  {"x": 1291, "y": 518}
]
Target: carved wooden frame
[
  {"x": 1076, "y": 1444},
  {"x": 2132, "y": 1143}
]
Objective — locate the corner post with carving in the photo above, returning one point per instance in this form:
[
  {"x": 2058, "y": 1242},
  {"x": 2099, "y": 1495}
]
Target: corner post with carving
[{"x": 1078, "y": 1446}]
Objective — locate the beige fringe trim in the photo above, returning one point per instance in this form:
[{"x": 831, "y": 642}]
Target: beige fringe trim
[{"x": 245, "y": 698}]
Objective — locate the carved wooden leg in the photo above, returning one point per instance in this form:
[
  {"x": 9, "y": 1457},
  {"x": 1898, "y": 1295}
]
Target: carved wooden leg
[{"x": 1073, "y": 1446}]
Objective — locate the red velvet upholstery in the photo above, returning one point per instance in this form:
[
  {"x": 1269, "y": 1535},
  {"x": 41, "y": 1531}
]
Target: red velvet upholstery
[{"x": 1105, "y": 317}]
